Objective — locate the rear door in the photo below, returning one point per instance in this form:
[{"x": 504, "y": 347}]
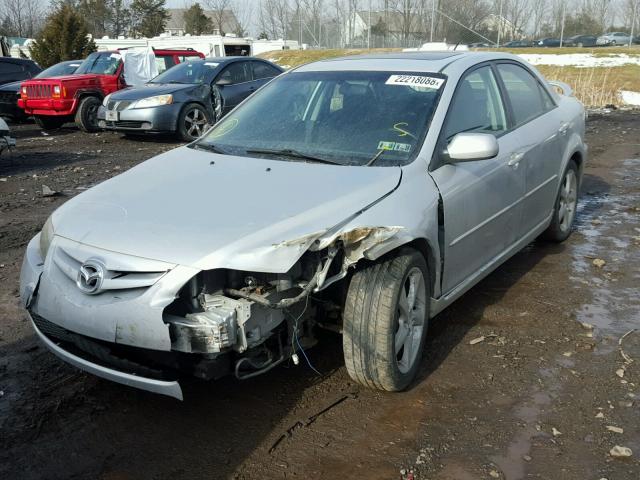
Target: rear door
[
  {"x": 262, "y": 73},
  {"x": 542, "y": 132},
  {"x": 240, "y": 77},
  {"x": 481, "y": 199}
]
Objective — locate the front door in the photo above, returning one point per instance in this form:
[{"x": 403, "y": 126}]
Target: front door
[
  {"x": 481, "y": 199},
  {"x": 239, "y": 76}
]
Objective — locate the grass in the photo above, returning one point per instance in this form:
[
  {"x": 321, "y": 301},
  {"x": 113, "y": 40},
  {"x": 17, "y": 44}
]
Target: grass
[
  {"x": 597, "y": 86},
  {"x": 594, "y": 87}
]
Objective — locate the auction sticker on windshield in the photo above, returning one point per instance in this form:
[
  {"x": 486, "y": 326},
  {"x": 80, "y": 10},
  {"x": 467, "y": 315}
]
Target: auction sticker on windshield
[{"x": 415, "y": 81}]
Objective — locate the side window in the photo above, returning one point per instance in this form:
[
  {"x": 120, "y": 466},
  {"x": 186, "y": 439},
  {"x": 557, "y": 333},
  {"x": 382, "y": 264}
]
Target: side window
[
  {"x": 236, "y": 73},
  {"x": 186, "y": 58},
  {"x": 164, "y": 63},
  {"x": 476, "y": 106},
  {"x": 263, "y": 70},
  {"x": 528, "y": 98},
  {"x": 11, "y": 68}
]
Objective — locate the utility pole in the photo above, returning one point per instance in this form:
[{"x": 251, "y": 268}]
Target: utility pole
[
  {"x": 369, "y": 30},
  {"x": 564, "y": 11},
  {"x": 433, "y": 19},
  {"x": 499, "y": 23},
  {"x": 633, "y": 21}
]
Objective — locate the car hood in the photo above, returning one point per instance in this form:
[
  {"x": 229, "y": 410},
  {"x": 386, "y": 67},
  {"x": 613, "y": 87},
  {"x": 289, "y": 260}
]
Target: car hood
[
  {"x": 13, "y": 87},
  {"x": 207, "y": 211},
  {"x": 150, "y": 90}
]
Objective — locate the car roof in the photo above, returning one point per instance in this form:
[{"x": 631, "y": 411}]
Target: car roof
[
  {"x": 406, "y": 61},
  {"x": 16, "y": 60}
]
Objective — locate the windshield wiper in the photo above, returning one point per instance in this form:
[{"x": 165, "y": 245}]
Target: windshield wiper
[
  {"x": 208, "y": 147},
  {"x": 375, "y": 158},
  {"x": 287, "y": 152}
]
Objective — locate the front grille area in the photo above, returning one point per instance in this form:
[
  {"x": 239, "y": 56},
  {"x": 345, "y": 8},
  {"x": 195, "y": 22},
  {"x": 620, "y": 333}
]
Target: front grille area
[
  {"x": 8, "y": 97},
  {"x": 118, "y": 105},
  {"x": 39, "y": 91},
  {"x": 119, "y": 357},
  {"x": 127, "y": 124}
]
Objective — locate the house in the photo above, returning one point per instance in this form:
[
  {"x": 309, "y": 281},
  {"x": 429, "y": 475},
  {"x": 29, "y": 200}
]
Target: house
[
  {"x": 508, "y": 31},
  {"x": 388, "y": 28},
  {"x": 176, "y": 25}
]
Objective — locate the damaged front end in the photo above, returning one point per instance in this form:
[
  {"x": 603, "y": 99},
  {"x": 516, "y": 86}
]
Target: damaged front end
[{"x": 257, "y": 320}]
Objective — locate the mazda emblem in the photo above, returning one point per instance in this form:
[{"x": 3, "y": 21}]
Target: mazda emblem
[{"x": 90, "y": 277}]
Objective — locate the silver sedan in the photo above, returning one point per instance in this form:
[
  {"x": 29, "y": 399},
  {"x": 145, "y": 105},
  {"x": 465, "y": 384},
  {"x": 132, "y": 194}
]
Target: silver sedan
[{"x": 361, "y": 194}]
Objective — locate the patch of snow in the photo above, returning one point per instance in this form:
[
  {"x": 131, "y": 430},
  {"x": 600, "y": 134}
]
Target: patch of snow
[
  {"x": 630, "y": 98},
  {"x": 581, "y": 60}
]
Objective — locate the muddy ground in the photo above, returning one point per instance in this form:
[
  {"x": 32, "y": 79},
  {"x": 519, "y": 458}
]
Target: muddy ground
[{"x": 532, "y": 398}]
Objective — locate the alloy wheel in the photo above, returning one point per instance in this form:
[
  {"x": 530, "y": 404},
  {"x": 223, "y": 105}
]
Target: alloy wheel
[
  {"x": 568, "y": 200},
  {"x": 195, "y": 123},
  {"x": 411, "y": 319}
]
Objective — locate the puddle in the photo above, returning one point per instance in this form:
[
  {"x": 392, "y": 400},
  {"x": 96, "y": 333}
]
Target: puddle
[{"x": 606, "y": 226}]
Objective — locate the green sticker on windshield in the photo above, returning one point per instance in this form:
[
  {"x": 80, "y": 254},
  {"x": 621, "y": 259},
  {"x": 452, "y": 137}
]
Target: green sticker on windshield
[
  {"x": 225, "y": 127},
  {"x": 395, "y": 146}
]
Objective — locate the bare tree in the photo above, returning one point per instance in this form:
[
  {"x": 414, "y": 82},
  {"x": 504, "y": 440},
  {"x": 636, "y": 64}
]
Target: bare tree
[
  {"x": 219, "y": 9},
  {"x": 274, "y": 18},
  {"x": 22, "y": 18}
]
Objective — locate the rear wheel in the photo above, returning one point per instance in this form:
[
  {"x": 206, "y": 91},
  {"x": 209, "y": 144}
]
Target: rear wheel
[
  {"x": 87, "y": 114},
  {"x": 193, "y": 122},
  {"x": 566, "y": 205},
  {"x": 580, "y": 45},
  {"x": 49, "y": 123},
  {"x": 385, "y": 321}
]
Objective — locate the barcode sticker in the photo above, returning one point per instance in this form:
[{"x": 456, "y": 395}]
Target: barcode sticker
[{"x": 415, "y": 81}]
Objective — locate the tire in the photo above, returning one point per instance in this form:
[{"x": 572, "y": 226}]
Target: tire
[
  {"x": 373, "y": 321},
  {"x": 564, "y": 211},
  {"x": 87, "y": 114},
  {"x": 580, "y": 45},
  {"x": 193, "y": 122},
  {"x": 49, "y": 123}
]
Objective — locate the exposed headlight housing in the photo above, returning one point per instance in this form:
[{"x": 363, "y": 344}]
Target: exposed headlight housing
[
  {"x": 46, "y": 235},
  {"x": 106, "y": 100},
  {"x": 153, "y": 101}
]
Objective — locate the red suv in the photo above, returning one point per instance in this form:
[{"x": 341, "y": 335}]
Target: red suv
[{"x": 58, "y": 100}]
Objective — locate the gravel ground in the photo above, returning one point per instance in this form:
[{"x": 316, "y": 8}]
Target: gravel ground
[{"x": 521, "y": 377}]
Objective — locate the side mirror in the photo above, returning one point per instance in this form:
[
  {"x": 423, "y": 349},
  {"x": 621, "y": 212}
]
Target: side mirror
[
  {"x": 467, "y": 147},
  {"x": 221, "y": 82}
]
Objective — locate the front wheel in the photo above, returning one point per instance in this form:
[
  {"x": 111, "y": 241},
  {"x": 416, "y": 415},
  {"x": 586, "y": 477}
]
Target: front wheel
[
  {"x": 87, "y": 114},
  {"x": 564, "y": 212},
  {"x": 385, "y": 321},
  {"x": 193, "y": 122}
]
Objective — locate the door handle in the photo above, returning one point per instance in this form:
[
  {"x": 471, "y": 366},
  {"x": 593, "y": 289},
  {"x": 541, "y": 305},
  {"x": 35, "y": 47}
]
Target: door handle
[
  {"x": 514, "y": 159},
  {"x": 563, "y": 128}
]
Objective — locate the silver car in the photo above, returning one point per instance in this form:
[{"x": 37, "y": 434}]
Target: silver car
[
  {"x": 360, "y": 194},
  {"x": 614, "y": 38}
]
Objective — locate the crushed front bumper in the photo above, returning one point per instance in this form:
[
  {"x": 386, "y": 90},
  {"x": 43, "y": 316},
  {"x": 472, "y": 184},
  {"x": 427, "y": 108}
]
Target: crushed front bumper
[
  {"x": 169, "y": 388},
  {"x": 120, "y": 332}
]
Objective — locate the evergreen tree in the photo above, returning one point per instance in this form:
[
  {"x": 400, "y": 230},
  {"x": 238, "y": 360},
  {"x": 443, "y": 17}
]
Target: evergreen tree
[
  {"x": 196, "y": 22},
  {"x": 148, "y": 17},
  {"x": 64, "y": 37}
]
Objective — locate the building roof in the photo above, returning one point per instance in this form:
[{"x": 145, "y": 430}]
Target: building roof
[
  {"x": 394, "y": 21},
  {"x": 176, "y": 19}
]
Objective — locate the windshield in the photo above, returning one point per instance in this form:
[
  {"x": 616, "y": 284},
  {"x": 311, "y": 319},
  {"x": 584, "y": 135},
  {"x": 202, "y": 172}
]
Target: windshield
[
  {"x": 188, "y": 72},
  {"x": 351, "y": 118},
  {"x": 59, "y": 69},
  {"x": 103, "y": 63}
]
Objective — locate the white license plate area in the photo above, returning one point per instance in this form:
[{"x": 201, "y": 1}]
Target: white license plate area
[{"x": 112, "y": 116}]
